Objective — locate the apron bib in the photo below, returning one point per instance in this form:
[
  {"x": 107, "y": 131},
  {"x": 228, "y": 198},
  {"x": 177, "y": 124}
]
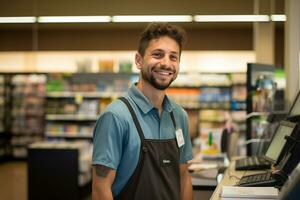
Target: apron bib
[{"x": 157, "y": 175}]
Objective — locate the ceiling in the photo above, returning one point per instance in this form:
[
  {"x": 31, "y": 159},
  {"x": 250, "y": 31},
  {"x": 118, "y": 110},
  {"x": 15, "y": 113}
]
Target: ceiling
[{"x": 135, "y": 7}]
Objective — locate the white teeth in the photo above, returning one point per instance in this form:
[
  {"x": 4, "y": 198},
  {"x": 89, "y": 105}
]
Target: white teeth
[{"x": 164, "y": 73}]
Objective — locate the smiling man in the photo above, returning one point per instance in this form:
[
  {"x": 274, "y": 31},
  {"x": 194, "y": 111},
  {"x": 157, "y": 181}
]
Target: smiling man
[{"x": 141, "y": 141}]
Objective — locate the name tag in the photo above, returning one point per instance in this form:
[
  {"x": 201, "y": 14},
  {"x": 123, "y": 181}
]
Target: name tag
[{"x": 179, "y": 137}]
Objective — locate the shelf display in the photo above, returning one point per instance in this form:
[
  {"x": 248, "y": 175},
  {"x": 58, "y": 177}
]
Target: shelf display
[
  {"x": 74, "y": 101},
  {"x": 65, "y": 106},
  {"x": 186, "y": 97},
  {"x": 27, "y": 111},
  {"x": 4, "y": 141},
  {"x": 216, "y": 98},
  {"x": 2, "y": 103}
]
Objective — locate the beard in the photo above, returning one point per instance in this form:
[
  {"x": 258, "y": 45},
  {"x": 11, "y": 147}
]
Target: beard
[{"x": 148, "y": 77}]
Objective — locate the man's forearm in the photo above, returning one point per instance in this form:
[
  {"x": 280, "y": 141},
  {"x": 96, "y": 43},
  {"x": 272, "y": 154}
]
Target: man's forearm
[
  {"x": 186, "y": 188},
  {"x": 186, "y": 192},
  {"x": 102, "y": 181},
  {"x": 99, "y": 194}
]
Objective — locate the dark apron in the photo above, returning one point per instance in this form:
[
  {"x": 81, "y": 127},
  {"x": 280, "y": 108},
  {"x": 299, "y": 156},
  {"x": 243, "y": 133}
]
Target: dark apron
[{"x": 157, "y": 175}]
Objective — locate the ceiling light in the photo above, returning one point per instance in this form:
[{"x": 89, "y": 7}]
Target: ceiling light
[
  {"x": 278, "y": 18},
  {"x": 231, "y": 18},
  {"x": 17, "y": 20},
  {"x": 73, "y": 19},
  {"x": 152, "y": 18}
]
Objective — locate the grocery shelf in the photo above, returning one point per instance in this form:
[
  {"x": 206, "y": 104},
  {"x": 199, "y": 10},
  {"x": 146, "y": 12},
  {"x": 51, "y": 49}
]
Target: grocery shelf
[
  {"x": 69, "y": 135},
  {"x": 67, "y": 94},
  {"x": 71, "y": 117}
]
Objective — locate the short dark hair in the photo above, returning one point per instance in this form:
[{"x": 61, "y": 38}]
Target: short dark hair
[{"x": 156, "y": 30}]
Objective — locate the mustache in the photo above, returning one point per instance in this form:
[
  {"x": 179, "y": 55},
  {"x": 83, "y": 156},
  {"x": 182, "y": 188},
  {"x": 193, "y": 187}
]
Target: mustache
[{"x": 165, "y": 68}]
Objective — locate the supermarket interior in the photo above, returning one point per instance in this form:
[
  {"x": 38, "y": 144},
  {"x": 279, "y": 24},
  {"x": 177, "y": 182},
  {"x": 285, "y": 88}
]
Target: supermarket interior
[{"x": 63, "y": 62}]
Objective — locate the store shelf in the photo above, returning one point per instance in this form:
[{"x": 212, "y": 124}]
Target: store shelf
[
  {"x": 192, "y": 107},
  {"x": 25, "y": 109},
  {"x": 67, "y": 94},
  {"x": 214, "y": 96},
  {"x": 69, "y": 135},
  {"x": 74, "y": 101},
  {"x": 215, "y": 86},
  {"x": 70, "y": 117}
]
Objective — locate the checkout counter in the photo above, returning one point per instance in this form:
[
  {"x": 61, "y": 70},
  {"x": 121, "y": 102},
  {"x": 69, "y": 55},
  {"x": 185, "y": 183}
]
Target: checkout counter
[
  {"x": 230, "y": 177},
  {"x": 204, "y": 174}
]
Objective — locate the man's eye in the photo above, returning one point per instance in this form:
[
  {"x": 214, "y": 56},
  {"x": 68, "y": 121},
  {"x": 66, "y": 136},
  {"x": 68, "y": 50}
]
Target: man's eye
[
  {"x": 174, "y": 57},
  {"x": 157, "y": 55}
]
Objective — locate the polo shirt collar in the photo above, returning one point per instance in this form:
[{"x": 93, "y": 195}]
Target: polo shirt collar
[{"x": 144, "y": 104}]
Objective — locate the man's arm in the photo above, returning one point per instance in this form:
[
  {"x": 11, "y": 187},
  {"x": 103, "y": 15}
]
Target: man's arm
[
  {"x": 186, "y": 192},
  {"x": 103, "y": 178}
]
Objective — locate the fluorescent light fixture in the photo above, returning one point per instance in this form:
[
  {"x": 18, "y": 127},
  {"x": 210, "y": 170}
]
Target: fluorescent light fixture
[
  {"x": 12, "y": 20},
  {"x": 278, "y": 18},
  {"x": 73, "y": 19},
  {"x": 231, "y": 18},
  {"x": 152, "y": 18}
]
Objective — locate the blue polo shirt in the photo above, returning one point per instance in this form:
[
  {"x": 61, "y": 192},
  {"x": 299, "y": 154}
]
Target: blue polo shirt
[{"x": 116, "y": 140}]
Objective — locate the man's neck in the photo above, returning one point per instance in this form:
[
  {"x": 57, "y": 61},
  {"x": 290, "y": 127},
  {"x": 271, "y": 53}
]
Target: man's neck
[{"x": 154, "y": 95}]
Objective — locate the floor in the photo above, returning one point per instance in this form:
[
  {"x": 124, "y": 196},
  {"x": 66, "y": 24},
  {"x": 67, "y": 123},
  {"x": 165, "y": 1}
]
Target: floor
[{"x": 13, "y": 181}]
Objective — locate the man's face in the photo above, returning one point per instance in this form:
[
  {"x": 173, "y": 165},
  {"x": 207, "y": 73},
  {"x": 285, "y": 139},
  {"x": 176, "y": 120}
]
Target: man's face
[{"x": 160, "y": 64}]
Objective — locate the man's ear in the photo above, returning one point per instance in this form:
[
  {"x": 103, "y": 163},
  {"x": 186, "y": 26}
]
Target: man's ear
[{"x": 138, "y": 60}]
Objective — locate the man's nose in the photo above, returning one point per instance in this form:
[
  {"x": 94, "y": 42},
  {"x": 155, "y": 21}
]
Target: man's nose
[{"x": 165, "y": 61}]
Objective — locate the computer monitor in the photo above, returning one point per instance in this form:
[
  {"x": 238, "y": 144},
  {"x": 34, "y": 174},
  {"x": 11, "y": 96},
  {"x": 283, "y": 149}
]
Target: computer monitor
[
  {"x": 295, "y": 108},
  {"x": 278, "y": 141}
]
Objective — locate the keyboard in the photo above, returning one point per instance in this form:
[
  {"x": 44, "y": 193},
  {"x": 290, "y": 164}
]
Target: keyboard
[
  {"x": 252, "y": 163},
  {"x": 263, "y": 179}
]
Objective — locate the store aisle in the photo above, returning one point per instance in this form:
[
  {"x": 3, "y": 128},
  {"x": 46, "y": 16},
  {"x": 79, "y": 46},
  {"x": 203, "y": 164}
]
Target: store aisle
[{"x": 13, "y": 181}]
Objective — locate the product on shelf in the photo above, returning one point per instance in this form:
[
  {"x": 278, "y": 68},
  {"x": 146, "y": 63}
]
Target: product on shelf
[
  {"x": 214, "y": 97},
  {"x": 69, "y": 130},
  {"x": 214, "y": 116},
  {"x": 210, "y": 139},
  {"x": 27, "y": 112},
  {"x": 106, "y": 65},
  {"x": 187, "y": 97},
  {"x": 213, "y": 79},
  {"x": 75, "y": 100},
  {"x": 2, "y": 104},
  {"x": 238, "y": 78},
  {"x": 84, "y": 65},
  {"x": 28, "y": 104},
  {"x": 125, "y": 66},
  {"x": 187, "y": 80}
]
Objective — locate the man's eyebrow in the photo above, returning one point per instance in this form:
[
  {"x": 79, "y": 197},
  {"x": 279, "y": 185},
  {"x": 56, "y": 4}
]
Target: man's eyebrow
[
  {"x": 161, "y": 50},
  {"x": 157, "y": 50},
  {"x": 174, "y": 52}
]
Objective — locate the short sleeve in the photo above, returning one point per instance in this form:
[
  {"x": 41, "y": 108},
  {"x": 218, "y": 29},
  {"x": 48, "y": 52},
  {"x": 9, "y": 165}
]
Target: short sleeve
[
  {"x": 186, "y": 149},
  {"x": 108, "y": 140}
]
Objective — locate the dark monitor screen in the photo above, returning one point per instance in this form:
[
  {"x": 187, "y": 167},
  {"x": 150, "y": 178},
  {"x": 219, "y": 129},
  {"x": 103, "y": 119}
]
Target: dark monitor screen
[
  {"x": 295, "y": 108},
  {"x": 278, "y": 141}
]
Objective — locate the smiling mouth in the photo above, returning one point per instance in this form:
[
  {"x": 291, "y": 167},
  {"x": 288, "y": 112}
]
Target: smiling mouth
[{"x": 164, "y": 72}]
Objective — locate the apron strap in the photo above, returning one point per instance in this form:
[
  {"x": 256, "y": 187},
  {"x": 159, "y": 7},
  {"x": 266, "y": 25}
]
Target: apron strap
[
  {"x": 173, "y": 119},
  {"x": 135, "y": 120}
]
